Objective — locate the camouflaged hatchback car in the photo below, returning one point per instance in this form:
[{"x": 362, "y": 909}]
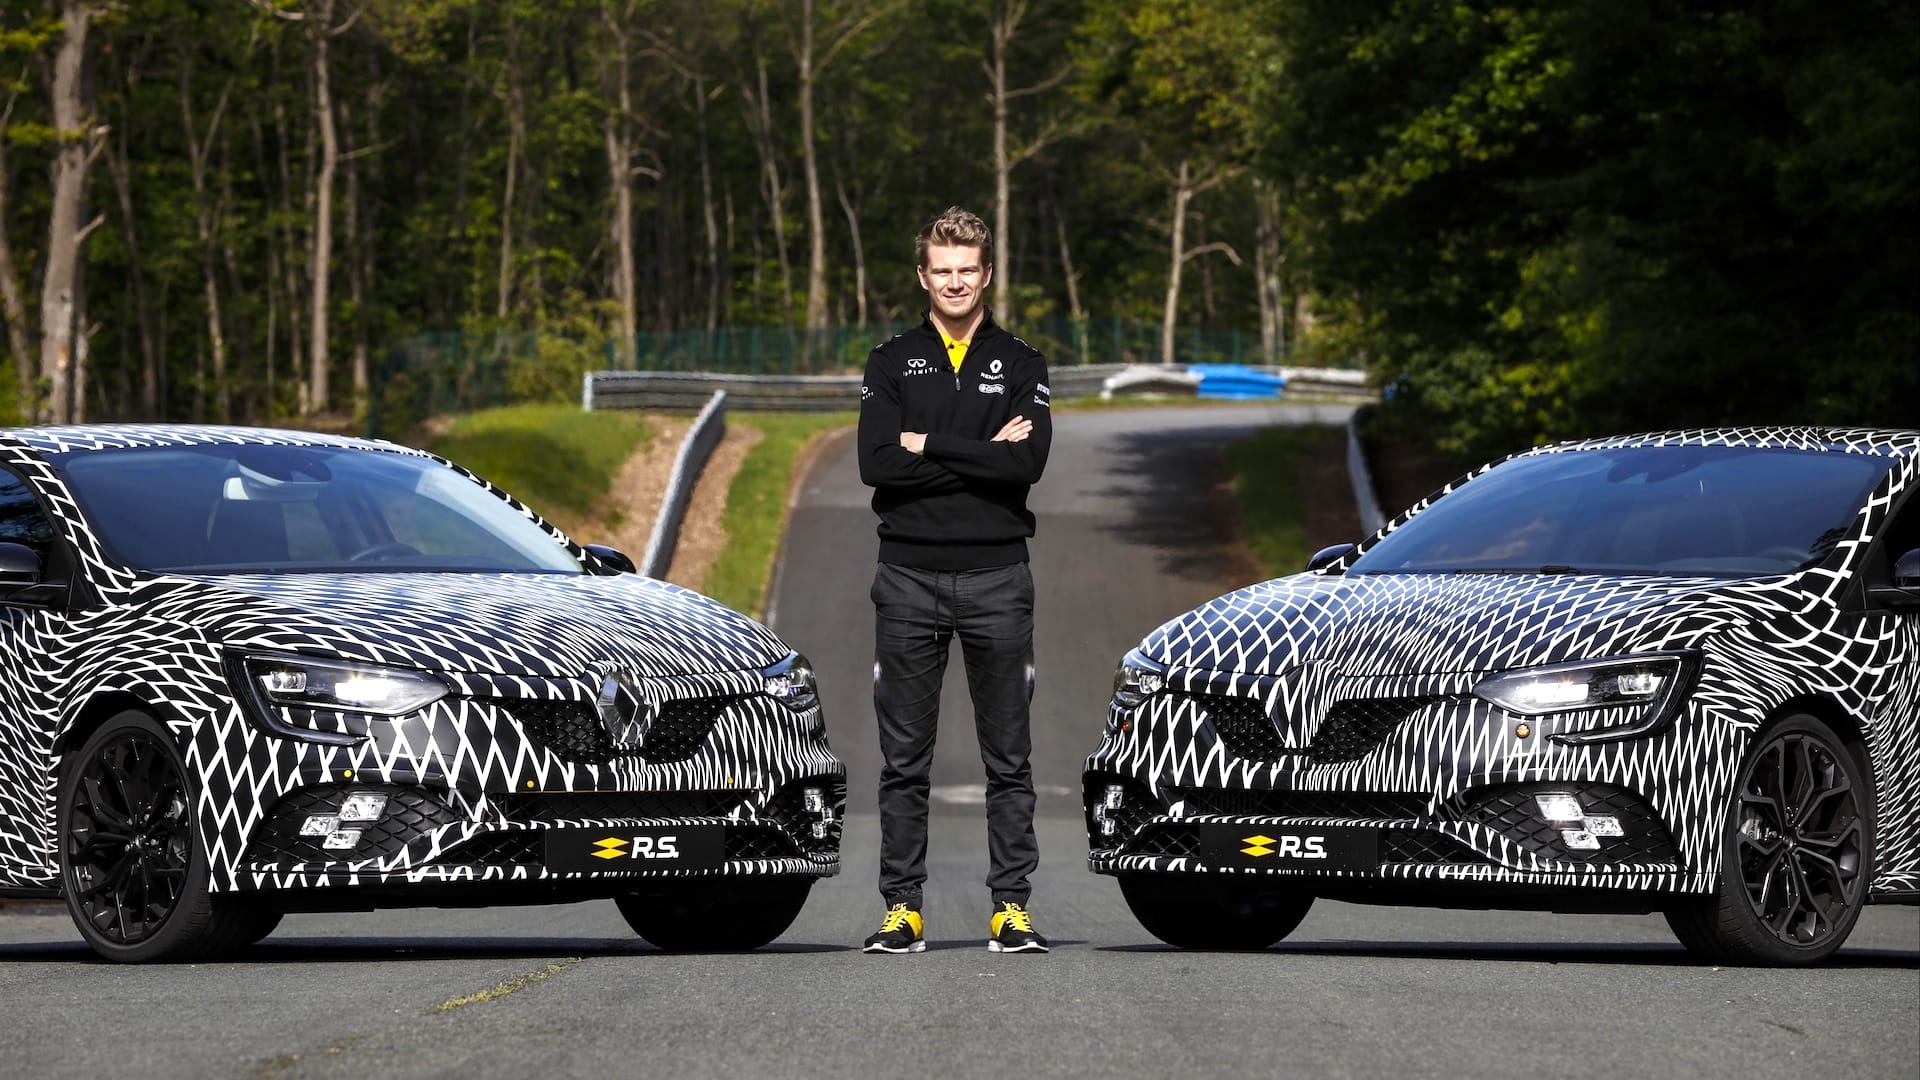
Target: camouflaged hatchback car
[
  {"x": 1675, "y": 673},
  {"x": 250, "y": 672}
]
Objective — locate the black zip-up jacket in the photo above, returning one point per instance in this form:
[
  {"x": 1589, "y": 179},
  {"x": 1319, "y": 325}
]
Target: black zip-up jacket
[{"x": 962, "y": 505}]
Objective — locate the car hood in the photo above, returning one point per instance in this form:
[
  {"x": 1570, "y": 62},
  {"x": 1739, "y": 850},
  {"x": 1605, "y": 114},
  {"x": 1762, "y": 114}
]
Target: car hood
[
  {"x": 543, "y": 625},
  {"x": 1410, "y": 624}
]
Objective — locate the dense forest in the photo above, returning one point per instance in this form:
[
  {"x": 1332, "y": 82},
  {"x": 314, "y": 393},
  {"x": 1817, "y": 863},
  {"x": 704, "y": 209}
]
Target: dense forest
[{"x": 1526, "y": 220}]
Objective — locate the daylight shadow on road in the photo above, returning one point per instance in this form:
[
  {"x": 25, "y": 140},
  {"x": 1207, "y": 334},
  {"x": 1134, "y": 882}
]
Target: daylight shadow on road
[
  {"x": 1175, "y": 500},
  {"x": 1538, "y": 953}
]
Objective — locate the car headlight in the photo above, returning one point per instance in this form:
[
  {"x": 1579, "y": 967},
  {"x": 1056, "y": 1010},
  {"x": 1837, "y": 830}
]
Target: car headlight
[
  {"x": 790, "y": 681},
  {"x": 1137, "y": 679},
  {"x": 1655, "y": 683},
  {"x": 311, "y": 682}
]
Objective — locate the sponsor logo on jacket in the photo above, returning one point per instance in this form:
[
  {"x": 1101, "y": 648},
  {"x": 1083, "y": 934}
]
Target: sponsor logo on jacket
[{"x": 992, "y": 388}]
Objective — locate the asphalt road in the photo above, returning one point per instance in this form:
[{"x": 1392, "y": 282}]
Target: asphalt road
[{"x": 1355, "y": 991}]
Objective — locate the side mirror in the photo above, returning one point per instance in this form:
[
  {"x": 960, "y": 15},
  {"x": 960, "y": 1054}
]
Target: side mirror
[
  {"x": 1327, "y": 556},
  {"x": 19, "y": 565},
  {"x": 1906, "y": 570},
  {"x": 1904, "y": 593},
  {"x": 612, "y": 558}
]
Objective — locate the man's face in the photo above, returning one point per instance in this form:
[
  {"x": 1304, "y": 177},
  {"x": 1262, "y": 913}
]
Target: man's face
[{"x": 956, "y": 280}]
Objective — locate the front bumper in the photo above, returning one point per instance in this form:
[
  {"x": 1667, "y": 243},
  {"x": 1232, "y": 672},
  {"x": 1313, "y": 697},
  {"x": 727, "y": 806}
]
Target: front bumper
[
  {"x": 1408, "y": 780},
  {"x": 471, "y": 789}
]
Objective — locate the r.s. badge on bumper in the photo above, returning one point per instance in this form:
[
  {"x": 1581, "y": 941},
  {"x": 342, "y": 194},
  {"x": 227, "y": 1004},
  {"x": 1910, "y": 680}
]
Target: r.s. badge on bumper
[
  {"x": 1289, "y": 847},
  {"x": 627, "y": 849}
]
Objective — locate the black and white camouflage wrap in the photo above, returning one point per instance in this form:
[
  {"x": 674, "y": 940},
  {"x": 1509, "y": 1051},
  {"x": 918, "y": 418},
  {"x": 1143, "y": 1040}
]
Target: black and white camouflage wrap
[
  {"x": 502, "y": 642},
  {"x": 1300, "y": 646}
]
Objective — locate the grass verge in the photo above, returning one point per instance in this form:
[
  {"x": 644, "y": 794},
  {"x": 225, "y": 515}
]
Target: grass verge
[
  {"x": 756, "y": 515},
  {"x": 558, "y": 459},
  {"x": 1265, "y": 470}
]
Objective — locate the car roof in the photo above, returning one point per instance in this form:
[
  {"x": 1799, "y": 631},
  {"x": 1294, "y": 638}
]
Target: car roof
[
  {"x": 1879, "y": 442},
  {"x": 81, "y": 437}
]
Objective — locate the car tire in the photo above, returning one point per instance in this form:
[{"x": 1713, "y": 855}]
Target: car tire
[
  {"x": 1794, "y": 869},
  {"x": 131, "y": 863},
  {"x": 731, "y": 916},
  {"x": 1209, "y": 914}
]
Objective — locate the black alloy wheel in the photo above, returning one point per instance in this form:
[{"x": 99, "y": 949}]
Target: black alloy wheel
[
  {"x": 1797, "y": 854},
  {"x": 131, "y": 867},
  {"x": 734, "y": 915},
  {"x": 1202, "y": 913}
]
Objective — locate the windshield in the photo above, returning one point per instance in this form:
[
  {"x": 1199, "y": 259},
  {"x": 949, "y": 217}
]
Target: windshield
[
  {"x": 1683, "y": 511},
  {"x": 250, "y": 508}
]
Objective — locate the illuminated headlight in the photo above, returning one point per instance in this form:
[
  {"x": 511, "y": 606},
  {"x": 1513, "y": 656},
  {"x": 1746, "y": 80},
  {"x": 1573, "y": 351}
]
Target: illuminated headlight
[
  {"x": 308, "y": 682},
  {"x": 1136, "y": 680},
  {"x": 791, "y": 683},
  {"x": 1654, "y": 682}
]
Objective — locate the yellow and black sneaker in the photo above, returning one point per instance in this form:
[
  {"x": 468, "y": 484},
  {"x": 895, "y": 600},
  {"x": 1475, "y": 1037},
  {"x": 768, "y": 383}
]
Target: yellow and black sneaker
[
  {"x": 1012, "y": 930},
  {"x": 899, "y": 932}
]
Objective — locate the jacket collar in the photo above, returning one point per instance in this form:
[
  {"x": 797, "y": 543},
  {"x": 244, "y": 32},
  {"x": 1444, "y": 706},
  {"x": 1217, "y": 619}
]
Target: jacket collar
[{"x": 987, "y": 325}]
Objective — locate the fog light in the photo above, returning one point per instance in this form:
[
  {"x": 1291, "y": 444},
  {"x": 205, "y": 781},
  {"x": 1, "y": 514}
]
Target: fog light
[
  {"x": 319, "y": 825},
  {"x": 1115, "y": 794},
  {"x": 819, "y": 830},
  {"x": 362, "y": 808},
  {"x": 342, "y": 840},
  {"x": 1580, "y": 840},
  {"x": 814, "y": 800},
  {"x": 1560, "y": 808},
  {"x": 1604, "y": 826}
]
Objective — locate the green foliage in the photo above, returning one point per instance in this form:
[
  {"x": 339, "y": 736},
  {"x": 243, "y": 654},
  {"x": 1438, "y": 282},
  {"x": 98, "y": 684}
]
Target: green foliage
[
  {"x": 756, "y": 514},
  {"x": 557, "y": 459},
  {"x": 1548, "y": 220}
]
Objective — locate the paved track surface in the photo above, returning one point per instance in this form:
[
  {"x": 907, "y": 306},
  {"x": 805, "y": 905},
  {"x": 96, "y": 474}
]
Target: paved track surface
[{"x": 568, "y": 991}]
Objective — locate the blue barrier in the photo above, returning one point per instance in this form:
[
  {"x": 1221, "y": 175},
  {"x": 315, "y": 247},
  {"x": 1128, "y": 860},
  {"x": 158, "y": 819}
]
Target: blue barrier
[{"x": 1236, "y": 381}]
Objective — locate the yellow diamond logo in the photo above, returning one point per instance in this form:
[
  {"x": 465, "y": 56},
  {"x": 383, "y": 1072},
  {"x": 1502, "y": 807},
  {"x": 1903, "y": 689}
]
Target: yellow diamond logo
[
  {"x": 1256, "y": 845},
  {"x": 611, "y": 848}
]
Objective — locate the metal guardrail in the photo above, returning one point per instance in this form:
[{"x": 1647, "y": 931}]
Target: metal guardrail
[
  {"x": 1361, "y": 476},
  {"x": 705, "y": 434},
  {"x": 687, "y": 390}
]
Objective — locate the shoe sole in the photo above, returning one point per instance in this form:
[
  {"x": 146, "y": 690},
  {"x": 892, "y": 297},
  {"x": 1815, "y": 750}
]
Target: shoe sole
[
  {"x": 918, "y": 946},
  {"x": 1031, "y": 946}
]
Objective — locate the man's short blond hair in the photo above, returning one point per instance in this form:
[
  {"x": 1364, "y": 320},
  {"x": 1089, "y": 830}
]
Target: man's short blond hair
[{"x": 954, "y": 227}]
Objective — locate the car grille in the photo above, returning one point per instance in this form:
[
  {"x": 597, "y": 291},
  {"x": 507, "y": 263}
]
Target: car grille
[
  {"x": 1422, "y": 846},
  {"x": 411, "y": 812},
  {"x": 1241, "y": 723},
  {"x": 572, "y": 730},
  {"x": 1363, "y": 805},
  {"x": 1170, "y": 840},
  {"x": 1354, "y": 728},
  {"x": 1509, "y": 810},
  {"x": 546, "y": 809}
]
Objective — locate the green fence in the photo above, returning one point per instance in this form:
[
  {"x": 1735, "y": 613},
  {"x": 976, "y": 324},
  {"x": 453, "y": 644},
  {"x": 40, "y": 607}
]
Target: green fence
[{"x": 442, "y": 373}]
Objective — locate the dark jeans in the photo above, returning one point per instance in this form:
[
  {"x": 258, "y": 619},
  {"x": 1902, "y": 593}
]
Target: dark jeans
[{"x": 918, "y": 613}]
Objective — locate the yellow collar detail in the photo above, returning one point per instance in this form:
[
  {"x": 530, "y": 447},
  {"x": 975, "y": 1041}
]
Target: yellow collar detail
[{"x": 956, "y": 350}]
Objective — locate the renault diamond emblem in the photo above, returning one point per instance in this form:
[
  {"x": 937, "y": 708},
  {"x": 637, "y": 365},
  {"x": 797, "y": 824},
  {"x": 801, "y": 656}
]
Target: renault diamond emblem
[
  {"x": 624, "y": 711},
  {"x": 1257, "y": 845},
  {"x": 610, "y": 848}
]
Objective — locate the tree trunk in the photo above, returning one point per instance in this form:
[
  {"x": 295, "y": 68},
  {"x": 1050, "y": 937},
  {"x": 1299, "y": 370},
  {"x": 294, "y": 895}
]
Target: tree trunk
[
  {"x": 859, "y": 252},
  {"x": 1267, "y": 259},
  {"x": 204, "y": 228},
  {"x": 1006, "y": 19},
  {"x": 714, "y": 266},
  {"x": 516, "y": 146},
  {"x": 616, "y": 70},
  {"x": 13, "y": 301},
  {"x": 78, "y": 143},
  {"x": 149, "y": 362},
  {"x": 816, "y": 220},
  {"x": 320, "y": 16},
  {"x": 760, "y": 119},
  {"x": 1182, "y": 196}
]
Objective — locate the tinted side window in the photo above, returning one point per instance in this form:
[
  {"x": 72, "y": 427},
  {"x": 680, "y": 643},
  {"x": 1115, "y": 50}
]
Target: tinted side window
[{"x": 21, "y": 519}]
